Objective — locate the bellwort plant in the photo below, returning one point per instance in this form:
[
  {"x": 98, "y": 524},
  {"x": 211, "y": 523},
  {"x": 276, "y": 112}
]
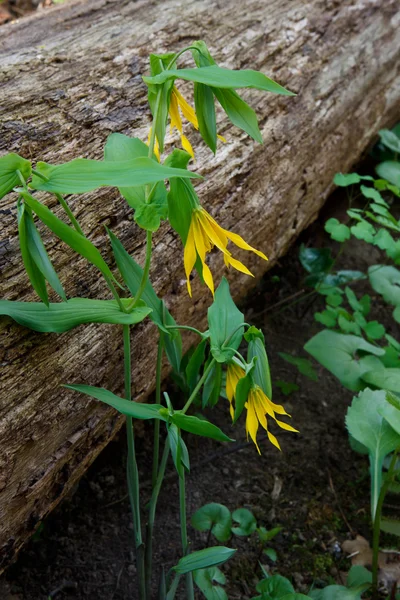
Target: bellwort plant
[{"x": 140, "y": 172}]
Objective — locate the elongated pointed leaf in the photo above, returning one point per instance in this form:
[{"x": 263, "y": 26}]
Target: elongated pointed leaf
[
  {"x": 391, "y": 526},
  {"x": 205, "y": 112},
  {"x": 62, "y": 316},
  {"x": 39, "y": 255},
  {"x": 67, "y": 234},
  {"x": 239, "y": 112},
  {"x": 132, "y": 274},
  {"x": 369, "y": 428},
  {"x": 261, "y": 373},
  {"x": 218, "y": 77},
  {"x": 83, "y": 175},
  {"x": 137, "y": 410},
  {"x": 199, "y": 427},
  {"x": 390, "y": 170},
  {"x": 35, "y": 275},
  {"x": 204, "y": 559},
  {"x": 9, "y": 165},
  {"x": 224, "y": 320}
]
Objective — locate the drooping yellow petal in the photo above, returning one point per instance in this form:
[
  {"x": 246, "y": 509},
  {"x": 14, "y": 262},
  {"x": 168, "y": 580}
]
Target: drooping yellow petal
[
  {"x": 186, "y": 145},
  {"x": 239, "y": 241},
  {"x": 156, "y": 145},
  {"x": 189, "y": 256},
  {"x": 214, "y": 234},
  {"x": 187, "y": 110},
  {"x": 221, "y": 137},
  {"x": 174, "y": 112},
  {"x": 252, "y": 423},
  {"x": 283, "y": 425},
  {"x": 201, "y": 247},
  {"x": 273, "y": 440},
  {"x": 236, "y": 264}
]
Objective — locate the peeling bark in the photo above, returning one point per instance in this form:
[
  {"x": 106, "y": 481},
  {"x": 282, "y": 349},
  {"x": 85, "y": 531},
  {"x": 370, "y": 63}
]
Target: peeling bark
[{"x": 72, "y": 76}]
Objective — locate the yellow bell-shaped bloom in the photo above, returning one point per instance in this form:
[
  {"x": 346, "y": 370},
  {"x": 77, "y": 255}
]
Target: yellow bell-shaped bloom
[
  {"x": 258, "y": 406},
  {"x": 233, "y": 374},
  {"x": 205, "y": 233}
]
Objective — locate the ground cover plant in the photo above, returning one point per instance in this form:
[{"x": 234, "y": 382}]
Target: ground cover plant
[{"x": 137, "y": 171}]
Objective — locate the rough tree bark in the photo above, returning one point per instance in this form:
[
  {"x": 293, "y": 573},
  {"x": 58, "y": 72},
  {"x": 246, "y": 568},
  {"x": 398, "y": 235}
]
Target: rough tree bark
[{"x": 72, "y": 76}]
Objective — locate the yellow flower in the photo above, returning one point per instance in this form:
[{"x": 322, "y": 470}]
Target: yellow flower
[
  {"x": 233, "y": 375},
  {"x": 205, "y": 233},
  {"x": 156, "y": 146},
  {"x": 177, "y": 101},
  {"x": 258, "y": 406}
]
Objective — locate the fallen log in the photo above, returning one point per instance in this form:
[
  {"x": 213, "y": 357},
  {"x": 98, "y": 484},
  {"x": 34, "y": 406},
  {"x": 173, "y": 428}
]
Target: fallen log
[{"x": 72, "y": 76}]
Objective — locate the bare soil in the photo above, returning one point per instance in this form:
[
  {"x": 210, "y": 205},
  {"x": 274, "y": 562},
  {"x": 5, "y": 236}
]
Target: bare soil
[{"x": 316, "y": 489}]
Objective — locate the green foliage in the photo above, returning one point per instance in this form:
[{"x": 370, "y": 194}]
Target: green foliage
[
  {"x": 59, "y": 317},
  {"x": 206, "y": 580},
  {"x": 247, "y": 523},
  {"x": 214, "y": 517},
  {"x": 287, "y": 387},
  {"x": 203, "y": 559},
  {"x": 225, "y": 324},
  {"x": 303, "y": 365},
  {"x": 338, "y": 231},
  {"x": 10, "y": 164}
]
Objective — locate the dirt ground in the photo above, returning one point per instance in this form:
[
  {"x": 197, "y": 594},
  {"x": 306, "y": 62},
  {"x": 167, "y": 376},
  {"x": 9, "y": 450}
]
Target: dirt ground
[{"x": 316, "y": 489}]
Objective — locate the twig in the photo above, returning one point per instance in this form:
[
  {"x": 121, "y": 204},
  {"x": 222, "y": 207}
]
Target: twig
[{"x": 339, "y": 505}]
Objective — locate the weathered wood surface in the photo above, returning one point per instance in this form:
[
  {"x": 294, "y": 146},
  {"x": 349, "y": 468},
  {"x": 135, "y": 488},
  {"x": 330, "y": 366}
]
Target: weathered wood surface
[{"x": 70, "y": 77}]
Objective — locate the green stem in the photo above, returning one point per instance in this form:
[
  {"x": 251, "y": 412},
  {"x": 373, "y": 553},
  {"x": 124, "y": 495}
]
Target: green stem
[
  {"x": 173, "y": 60},
  {"x": 156, "y": 447},
  {"x": 198, "y": 386},
  {"x": 377, "y": 524},
  {"x": 70, "y": 214},
  {"x": 115, "y": 293},
  {"x": 132, "y": 469},
  {"x": 154, "y": 124},
  {"x": 187, "y": 327},
  {"x": 146, "y": 271},
  {"x": 184, "y": 538},
  {"x": 152, "y": 516}
]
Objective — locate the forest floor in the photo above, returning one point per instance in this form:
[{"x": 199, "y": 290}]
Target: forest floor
[{"x": 316, "y": 489}]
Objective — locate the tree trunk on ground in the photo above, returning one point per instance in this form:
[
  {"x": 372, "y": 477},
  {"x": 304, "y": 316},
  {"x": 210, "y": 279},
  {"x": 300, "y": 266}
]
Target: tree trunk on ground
[{"x": 72, "y": 76}]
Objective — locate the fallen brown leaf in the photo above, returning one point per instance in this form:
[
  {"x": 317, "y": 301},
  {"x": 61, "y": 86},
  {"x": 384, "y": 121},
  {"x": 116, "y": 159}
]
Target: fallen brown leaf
[{"x": 360, "y": 553}]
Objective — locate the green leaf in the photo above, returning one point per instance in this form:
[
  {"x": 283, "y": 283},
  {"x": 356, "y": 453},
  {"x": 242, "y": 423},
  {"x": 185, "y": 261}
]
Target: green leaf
[
  {"x": 390, "y": 411},
  {"x": 39, "y": 255},
  {"x": 216, "y": 517},
  {"x": 179, "y": 451},
  {"x": 315, "y": 260},
  {"x": 224, "y": 320},
  {"x": 204, "y": 579},
  {"x": 369, "y": 428},
  {"x": 390, "y": 170},
  {"x": 212, "y": 386},
  {"x": 199, "y": 427},
  {"x": 9, "y": 165},
  {"x": 218, "y": 77},
  {"x": 338, "y": 231},
  {"x": 193, "y": 367},
  {"x": 363, "y": 231},
  {"x": 67, "y": 234},
  {"x": 327, "y": 317},
  {"x": 205, "y": 112},
  {"x": 83, "y": 175},
  {"x": 334, "y": 300},
  {"x": 287, "y": 387},
  {"x": 120, "y": 147},
  {"x": 133, "y": 409},
  {"x": 334, "y": 592},
  {"x": 239, "y": 112},
  {"x": 203, "y": 559},
  {"x": 182, "y": 197},
  {"x": 303, "y": 365},
  {"x": 374, "y": 330},
  {"x": 390, "y": 140},
  {"x": 132, "y": 274},
  {"x": 357, "y": 305},
  {"x": 242, "y": 391},
  {"x": 386, "y": 281},
  {"x": 261, "y": 372},
  {"x": 36, "y": 277},
  {"x": 158, "y": 63},
  {"x": 266, "y": 535},
  {"x": 391, "y": 526},
  {"x": 276, "y": 587},
  {"x": 272, "y": 555},
  {"x": 347, "y": 325},
  {"x": 62, "y": 316},
  {"x": 339, "y": 354},
  {"x": 345, "y": 180},
  {"x": 357, "y": 576},
  {"x": 373, "y": 194},
  {"x": 246, "y": 520}
]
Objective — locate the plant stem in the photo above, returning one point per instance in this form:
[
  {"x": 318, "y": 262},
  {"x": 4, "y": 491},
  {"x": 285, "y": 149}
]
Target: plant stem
[
  {"x": 377, "y": 524},
  {"x": 146, "y": 271},
  {"x": 152, "y": 515},
  {"x": 182, "y": 512},
  {"x": 70, "y": 214},
  {"x": 155, "y": 478},
  {"x": 186, "y": 327},
  {"x": 198, "y": 386},
  {"x": 132, "y": 470}
]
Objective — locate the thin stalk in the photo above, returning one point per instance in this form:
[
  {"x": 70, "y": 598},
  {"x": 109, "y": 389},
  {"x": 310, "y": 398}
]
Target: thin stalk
[
  {"x": 186, "y": 327},
  {"x": 198, "y": 386},
  {"x": 70, "y": 214},
  {"x": 132, "y": 469},
  {"x": 115, "y": 293},
  {"x": 146, "y": 272},
  {"x": 184, "y": 538},
  {"x": 155, "y": 473},
  {"x": 152, "y": 516},
  {"x": 377, "y": 524},
  {"x": 152, "y": 140}
]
